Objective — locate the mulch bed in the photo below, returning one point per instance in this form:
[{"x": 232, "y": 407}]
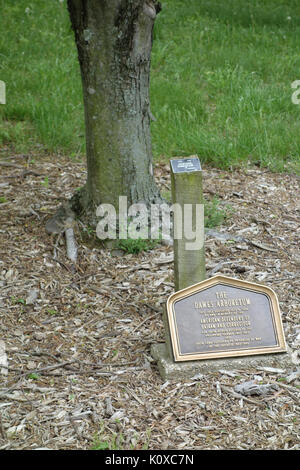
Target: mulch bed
[{"x": 75, "y": 364}]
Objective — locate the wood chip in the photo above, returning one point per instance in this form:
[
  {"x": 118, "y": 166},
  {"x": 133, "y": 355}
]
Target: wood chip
[{"x": 3, "y": 359}]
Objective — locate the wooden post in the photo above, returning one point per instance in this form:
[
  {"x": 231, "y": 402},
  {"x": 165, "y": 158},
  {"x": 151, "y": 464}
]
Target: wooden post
[{"x": 188, "y": 226}]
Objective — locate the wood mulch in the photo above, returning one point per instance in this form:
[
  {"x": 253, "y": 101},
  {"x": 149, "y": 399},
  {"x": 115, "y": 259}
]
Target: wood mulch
[{"x": 75, "y": 364}]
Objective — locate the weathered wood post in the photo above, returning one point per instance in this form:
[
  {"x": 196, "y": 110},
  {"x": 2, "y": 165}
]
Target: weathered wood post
[
  {"x": 188, "y": 226},
  {"x": 188, "y": 236}
]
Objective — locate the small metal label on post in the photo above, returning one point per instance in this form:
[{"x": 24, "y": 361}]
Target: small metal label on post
[
  {"x": 183, "y": 165},
  {"x": 223, "y": 317}
]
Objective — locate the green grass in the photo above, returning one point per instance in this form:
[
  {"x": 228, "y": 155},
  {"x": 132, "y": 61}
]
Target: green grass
[
  {"x": 220, "y": 83},
  {"x": 135, "y": 246},
  {"x": 38, "y": 63},
  {"x": 115, "y": 441},
  {"x": 214, "y": 214}
]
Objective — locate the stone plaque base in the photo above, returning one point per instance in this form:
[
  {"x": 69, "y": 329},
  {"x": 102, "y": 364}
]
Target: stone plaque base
[{"x": 170, "y": 370}]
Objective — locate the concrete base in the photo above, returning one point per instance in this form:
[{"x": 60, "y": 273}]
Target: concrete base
[{"x": 170, "y": 370}]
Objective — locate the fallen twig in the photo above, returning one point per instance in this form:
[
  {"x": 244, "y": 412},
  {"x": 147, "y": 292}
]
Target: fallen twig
[
  {"x": 11, "y": 165},
  {"x": 239, "y": 396},
  {"x": 144, "y": 321},
  {"x": 261, "y": 246}
]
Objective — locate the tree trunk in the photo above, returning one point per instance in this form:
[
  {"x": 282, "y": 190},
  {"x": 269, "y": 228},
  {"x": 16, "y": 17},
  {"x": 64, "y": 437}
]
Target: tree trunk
[{"x": 114, "y": 42}]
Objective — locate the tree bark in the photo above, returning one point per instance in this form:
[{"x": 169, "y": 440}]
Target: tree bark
[{"x": 114, "y": 42}]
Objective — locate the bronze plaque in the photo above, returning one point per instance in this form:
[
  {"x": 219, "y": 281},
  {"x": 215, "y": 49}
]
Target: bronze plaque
[{"x": 224, "y": 317}]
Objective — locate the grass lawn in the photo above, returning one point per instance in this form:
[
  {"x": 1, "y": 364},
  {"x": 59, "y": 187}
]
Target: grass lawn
[{"x": 220, "y": 85}]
